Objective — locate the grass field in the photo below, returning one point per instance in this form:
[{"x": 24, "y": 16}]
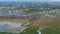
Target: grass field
[
  {"x": 22, "y": 21},
  {"x": 17, "y": 20},
  {"x": 47, "y": 22},
  {"x": 53, "y": 30},
  {"x": 52, "y": 24},
  {"x": 30, "y": 30}
]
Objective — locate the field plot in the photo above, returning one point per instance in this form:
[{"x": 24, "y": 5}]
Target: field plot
[
  {"x": 47, "y": 22},
  {"x": 52, "y": 25},
  {"x": 22, "y": 26},
  {"x": 13, "y": 25}
]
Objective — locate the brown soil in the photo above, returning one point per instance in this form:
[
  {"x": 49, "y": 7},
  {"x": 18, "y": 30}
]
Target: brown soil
[{"x": 46, "y": 22}]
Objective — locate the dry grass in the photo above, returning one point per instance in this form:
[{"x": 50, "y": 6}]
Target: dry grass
[{"x": 47, "y": 22}]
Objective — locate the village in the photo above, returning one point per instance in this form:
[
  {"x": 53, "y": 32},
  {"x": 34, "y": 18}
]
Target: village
[{"x": 30, "y": 17}]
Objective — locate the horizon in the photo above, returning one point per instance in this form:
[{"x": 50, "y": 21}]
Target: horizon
[{"x": 26, "y": 0}]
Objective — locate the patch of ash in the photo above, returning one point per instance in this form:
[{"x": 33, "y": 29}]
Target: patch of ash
[{"x": 6, "y": 26}]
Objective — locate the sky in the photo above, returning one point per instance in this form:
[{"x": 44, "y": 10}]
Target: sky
[{"x": 29, "y": 0}]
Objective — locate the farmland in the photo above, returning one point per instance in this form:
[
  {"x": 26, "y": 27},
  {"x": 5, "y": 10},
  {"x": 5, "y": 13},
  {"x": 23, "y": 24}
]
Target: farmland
[
  {"x": 48, "y": 25},
  {"x": 52, "y": 25},
  {"x": 13, "y": 25},
  {"x": 30, "y": 17}
]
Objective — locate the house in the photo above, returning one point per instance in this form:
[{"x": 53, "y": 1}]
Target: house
[{"x": 50, "y": 16}]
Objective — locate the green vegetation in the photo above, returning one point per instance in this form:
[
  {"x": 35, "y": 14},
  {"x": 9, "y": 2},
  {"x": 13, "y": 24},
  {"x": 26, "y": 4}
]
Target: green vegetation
[
  {"x": 52, "y": 24},
  {"x": 53, "y": 30},
  {"x": 5, "y": 33},
  {"x": 18, "y": 20},
  {"x": 30, "y": 30}
]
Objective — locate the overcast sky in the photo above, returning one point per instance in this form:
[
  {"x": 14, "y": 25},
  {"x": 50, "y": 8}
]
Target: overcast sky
[{"x": 29, "y": 0}]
